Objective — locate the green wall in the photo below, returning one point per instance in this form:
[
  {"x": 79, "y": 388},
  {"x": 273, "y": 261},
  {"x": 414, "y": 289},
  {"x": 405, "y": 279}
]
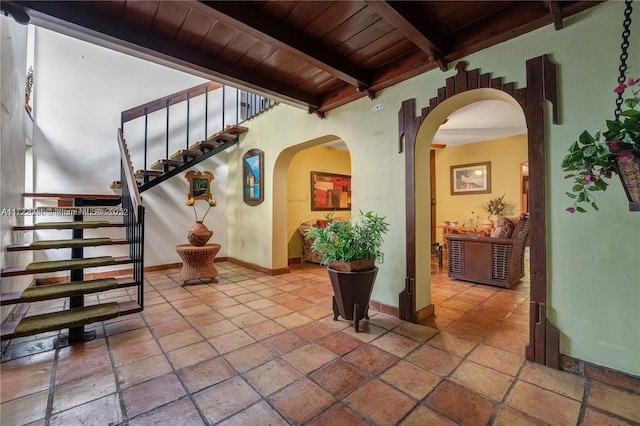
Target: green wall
[{"x": 593, "y": 259}]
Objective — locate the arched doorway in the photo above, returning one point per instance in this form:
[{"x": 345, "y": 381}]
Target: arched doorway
[
  {"x": 281, "y": 229},
  {"x": 464, "y": 88}
]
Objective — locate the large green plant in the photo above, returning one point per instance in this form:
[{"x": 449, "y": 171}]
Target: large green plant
[{"x": 349, "y": 240}]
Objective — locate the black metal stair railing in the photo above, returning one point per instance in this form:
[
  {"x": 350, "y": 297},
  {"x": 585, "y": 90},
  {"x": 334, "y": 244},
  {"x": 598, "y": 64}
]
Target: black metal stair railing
[
  {"x": 133, "y": 211},
  {"x": 234, "y": 107}
]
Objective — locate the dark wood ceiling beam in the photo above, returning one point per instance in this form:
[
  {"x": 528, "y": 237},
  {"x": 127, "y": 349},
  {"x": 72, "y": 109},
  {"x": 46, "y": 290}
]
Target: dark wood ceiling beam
[
  {"x": 556, "y": 13},
  {"x": 248, "y": 19},
  {"x": 511, "y": 22},
  {"x": 73, "y": 19},
  {"x": 410, "y": 24}
]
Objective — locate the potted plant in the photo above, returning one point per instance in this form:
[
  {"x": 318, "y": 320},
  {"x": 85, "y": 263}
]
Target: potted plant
[
  {"x": 591, "y": 161},
  {"x": 349, "y": 248},
  {"x": 494, "y": 207}
]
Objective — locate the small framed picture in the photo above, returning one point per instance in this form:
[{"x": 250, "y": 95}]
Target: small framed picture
[
  {"x": 474, "y": 178},
  {"x": 252, "y": 175},
  {"x": 199, "y": 185}
]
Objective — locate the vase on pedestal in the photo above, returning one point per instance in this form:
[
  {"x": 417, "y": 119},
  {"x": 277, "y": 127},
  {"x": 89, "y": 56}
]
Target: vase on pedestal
[{"x": 199, "y": 234}]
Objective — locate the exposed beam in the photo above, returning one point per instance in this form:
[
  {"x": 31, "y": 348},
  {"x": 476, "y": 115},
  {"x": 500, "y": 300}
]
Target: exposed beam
[
  {"x": 399, "y": 15},
  {"x": 250, "y": 20},
  {"x": 72, "y": 19},
  {"x": 556, "y": 13}
]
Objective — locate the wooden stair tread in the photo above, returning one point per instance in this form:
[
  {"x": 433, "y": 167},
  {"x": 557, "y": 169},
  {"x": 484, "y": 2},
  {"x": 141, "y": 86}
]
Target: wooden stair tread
[
  {"x": 222, "y": 136},
  {"x": 70, "y": 196},
  {"x": 236, "y": 129},
  {"x": 70, "y": 243},
  {"x": 66, "y": 319},
  {"x": 68, "y": 289},
  {"x": 64, "y": 265},
  {"x": 190, "y": 153},
  {"x": 161, "y": 164},
  {"x": 152, "y": 173},
  {"x": 68, "y": 225}
]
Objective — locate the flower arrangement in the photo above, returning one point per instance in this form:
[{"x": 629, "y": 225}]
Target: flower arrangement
[
  {"x": 591, "y": 161},
  {"x": 192, "y": 202},
  {"x": 495, "y": 206}
]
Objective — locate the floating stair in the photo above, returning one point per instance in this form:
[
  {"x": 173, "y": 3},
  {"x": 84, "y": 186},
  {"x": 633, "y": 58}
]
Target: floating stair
[
  {"x": 63, "y": 265},
  {"x": 68, "y": 289},
  {"x": 73, "y": 243},
  {"x": 165, "y": 164},
  {"x": 70, "y": 318},
  {"x": 146, "y": 174},
  {"x": 68, "y": 225},
  {"x": 75, "y": 288}
]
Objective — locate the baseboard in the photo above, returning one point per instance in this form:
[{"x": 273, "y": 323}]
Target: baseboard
[
  {"x": 424, "y": 313},
  {"x": 259, "y": 268},
  {"x": 294, "y": 260},
  {"x": 384, "y": 308},
  {"x": 602, "y": 374}
]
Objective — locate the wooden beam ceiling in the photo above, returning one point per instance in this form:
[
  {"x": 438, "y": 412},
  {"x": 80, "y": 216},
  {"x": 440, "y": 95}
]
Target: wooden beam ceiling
[
  {"x": 72, "y": 18},
  {"x": 400, "y": 16},
  {"x": 248, "y": 19}
]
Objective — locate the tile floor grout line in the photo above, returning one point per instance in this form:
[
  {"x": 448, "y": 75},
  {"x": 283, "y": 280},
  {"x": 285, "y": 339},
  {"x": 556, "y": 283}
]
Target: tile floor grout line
[
  {"x": 52, "y": 385},
  {"x": 585, "y": 401},
  {"x": 114, "y": 369}
]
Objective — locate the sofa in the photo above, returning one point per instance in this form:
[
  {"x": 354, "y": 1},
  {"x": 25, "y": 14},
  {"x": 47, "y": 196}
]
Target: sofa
[{"x": 308, "y": 254}]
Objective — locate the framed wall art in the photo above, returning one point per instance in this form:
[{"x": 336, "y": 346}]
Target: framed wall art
[
  {"x": 199, "y": 185},
  {"x": 252, "y": 175},
  {"x": 330, "y": 191},
  {"x": 474, "y": 178}
]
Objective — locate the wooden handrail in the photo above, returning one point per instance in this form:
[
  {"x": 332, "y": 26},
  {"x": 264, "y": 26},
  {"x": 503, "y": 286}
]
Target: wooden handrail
[
  {"x": 136, "y": 201},
  {"x": 169, "y": 100}
]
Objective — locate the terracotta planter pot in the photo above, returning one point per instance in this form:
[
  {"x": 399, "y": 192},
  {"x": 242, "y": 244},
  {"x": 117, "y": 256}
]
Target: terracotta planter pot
[
  {"x": 199, "y": 234},
  {"x": 352, "y": 291}
]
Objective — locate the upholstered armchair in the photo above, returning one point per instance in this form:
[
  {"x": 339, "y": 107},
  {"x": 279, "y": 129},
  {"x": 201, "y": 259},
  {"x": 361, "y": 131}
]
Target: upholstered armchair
[
  {"x": 496, "y": 261},
  {"x": 308, "y": 254}
]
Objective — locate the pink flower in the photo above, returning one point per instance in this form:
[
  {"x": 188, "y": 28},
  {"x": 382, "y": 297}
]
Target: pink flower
[
  {"x": 571, "y": 209},
  {"x": 626, "y": 157},
  {"x": 633, "y": 81},
  {"x": 614, "y": 146},
  {"x": 620, "y": 89},
  {"x": 590, "y": 178}
]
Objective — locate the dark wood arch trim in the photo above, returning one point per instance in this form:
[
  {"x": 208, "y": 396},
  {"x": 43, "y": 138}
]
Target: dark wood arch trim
[{"x": 544, "y": 338}]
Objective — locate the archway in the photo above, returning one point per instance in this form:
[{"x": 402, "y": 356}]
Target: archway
[
  {"x": 280, "y": 240},
  {"x": 464, "y": 88}
]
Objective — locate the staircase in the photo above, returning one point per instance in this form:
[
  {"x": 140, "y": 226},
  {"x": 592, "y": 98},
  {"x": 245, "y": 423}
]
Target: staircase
[
  {"x": 79, "y": 312},
  {"x": 193, "y": 149},
  {"x": 76, "y": 287}
]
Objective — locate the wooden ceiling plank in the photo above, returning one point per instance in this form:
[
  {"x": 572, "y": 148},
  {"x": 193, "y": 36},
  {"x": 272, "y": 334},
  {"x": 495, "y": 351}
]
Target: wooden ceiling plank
[
  {"x": 217, "y": 38},
  {"x": 167, "y": 16},
  {"x": 276, "y": 33},
  {"x": 412, "y": 26},
  {"x": 195, "y": 28},
  {"x": 364, "y": 38},
  {"x": 362, "y": 20},
  {"x": 140, "y": 13},
  {"x": 58, "y": 15},
  {"x": 305, "y": 12}
]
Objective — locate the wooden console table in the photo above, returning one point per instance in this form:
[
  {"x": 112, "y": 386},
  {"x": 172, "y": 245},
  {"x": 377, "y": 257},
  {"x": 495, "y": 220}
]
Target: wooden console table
[
  {"x": 197, "y": 262},
  {"x": 448, "y": 229}
]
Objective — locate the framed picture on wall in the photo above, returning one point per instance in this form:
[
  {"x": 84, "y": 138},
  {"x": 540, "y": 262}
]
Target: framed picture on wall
[
  {"x": 474, "y": 178},
  {"x": 252, "y": 175},
  {"x": 199, "y": 184},
  {"x": 330, "y": 191}
]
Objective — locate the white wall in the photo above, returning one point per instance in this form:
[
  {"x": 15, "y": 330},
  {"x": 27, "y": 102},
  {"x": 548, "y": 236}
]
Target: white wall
[
  {"x": 81, "y": 91},
  {"x": 13, "y": 50}
]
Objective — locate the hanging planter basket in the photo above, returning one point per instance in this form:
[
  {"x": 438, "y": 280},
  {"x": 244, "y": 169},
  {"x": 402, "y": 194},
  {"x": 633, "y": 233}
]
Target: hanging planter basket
[{"x": 629, "y": 172}]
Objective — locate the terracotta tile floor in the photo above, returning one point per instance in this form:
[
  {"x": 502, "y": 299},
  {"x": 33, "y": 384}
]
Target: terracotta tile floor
[{"x": 261, "y": 350}]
